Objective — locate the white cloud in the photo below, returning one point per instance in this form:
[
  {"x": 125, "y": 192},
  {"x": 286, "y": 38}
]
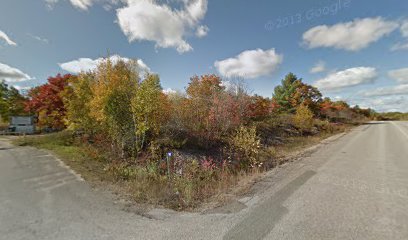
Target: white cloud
[
  {"x": 7, "y": 39},
  {"x": 202, "y": 31},
  {"x": 169, "y": 91},
  {"x": 229, "y": 85},
  {"x": 385, "y": 103},
  {"x": 404, "y": 28},
  {"x": 88, "y": 64},
  {"x": 250, "y": 64},
  {"x": 351, "y": 36},
  {"x": 401, "y": 75},
  {"x": 347, "y": 78},
  {"x": 154, "y": 21},
  {"x": 38, "y": 38},
  {"x": 22, "y": 88},
  {"x": 387, "y": 91},
  {"x": 107, "y": 7},
  {"x": 11, "y": 74},
  {"x": 400, "y": 46},
  {"x": 148, "y": 20},
  {"x": 404, "y": 33},
  {"x": 50, "y": 3},
  {"x": 319, "y": 67},
  {"x": 82, "y": 4},
  {"x": 85, "y": 4}
]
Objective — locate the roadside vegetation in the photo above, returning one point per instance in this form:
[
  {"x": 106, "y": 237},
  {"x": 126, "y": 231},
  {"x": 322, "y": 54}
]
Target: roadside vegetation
[
  {"x": 392, "y": 116},
  {"x": 178, "y": 149},
  {"x": 12, "y": 103}
]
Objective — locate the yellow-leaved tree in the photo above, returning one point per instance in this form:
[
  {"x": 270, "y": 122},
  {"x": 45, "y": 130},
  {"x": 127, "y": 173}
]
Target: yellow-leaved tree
[
  {"x": 76, "y": 98},
  {"x": 303, "y": 119},
  {"x": 113, "y": 89},
  {"x": 149, "y": 109}
]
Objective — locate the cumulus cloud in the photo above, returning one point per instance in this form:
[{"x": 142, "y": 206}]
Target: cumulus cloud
[
  {"x": 250, "y": 64},
  {"x": 167, "y": 27},
  {"x": 347, "y": 78},
  {"x": 319, "y": 67},
  {"x": 11, "y": 74},
  {"x": 400, "y": 75},
  {"x": 6, "y": 38},
  {"x": 351, "y": 36},
  {"x": 88, "y": 64},
  {"x": 151, "y": 20}
]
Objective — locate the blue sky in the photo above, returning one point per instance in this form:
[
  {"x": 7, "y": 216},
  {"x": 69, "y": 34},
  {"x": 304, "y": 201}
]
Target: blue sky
[{"x": 359, "y": 48}]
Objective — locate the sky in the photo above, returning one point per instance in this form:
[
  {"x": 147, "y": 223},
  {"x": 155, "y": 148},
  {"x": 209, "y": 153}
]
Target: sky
[{"x": 352, "y": 50}]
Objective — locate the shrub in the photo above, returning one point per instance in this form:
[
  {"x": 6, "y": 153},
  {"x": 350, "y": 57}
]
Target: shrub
[
  {"x": 246, "y": 143},
  {"x": 303, "y": 119}
]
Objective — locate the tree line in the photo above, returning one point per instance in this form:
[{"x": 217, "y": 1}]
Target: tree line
[{"x": 132, "y": 114}]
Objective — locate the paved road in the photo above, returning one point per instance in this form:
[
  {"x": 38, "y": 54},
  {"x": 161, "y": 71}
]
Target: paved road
[{"x": 354, "y": 187}]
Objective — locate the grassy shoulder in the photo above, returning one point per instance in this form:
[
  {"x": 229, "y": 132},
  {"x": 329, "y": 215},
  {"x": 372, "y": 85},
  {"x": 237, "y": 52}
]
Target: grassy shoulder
[
  {"x": 79, "y": 157},
  {"x": 142, "y": 184},
  {"x": 186, "y": 183}
]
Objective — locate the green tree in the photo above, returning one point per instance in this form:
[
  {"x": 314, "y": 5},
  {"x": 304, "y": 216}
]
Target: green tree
[
  {"x": 293, "y": 92},
  {"x": 12, "y": 103},
  {"x": 4, "y": 103},
  {"x": 283, "y": 93}
]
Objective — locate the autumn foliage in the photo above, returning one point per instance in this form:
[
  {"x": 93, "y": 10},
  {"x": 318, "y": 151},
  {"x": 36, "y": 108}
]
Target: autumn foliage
[
  {"x": 293, "y": 92},
  {"x": 47, "y": 102},
  {"x": 303, "y": 119},
  {"x": 180, "y": 148},
  {"x": 129, "y": 114},
  {"x": 210, "y": 112}
]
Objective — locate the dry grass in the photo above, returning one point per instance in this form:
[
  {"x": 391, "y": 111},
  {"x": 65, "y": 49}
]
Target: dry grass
[
  {"x": 296, "y": 144},
  {"x": 143, "y": 184},
  {"x": 194, "y": 188}
]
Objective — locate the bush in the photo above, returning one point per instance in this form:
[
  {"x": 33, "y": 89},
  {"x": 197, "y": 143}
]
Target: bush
[
  {"x": 303, "y": 119},
  {"x": 246, "y": 144}
]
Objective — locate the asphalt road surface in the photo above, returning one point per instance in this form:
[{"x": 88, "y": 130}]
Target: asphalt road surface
[{"x": 352, "y": 187}]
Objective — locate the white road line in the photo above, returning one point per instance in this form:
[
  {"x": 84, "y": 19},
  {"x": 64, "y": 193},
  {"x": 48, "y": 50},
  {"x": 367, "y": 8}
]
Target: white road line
[
  {"x": 46, "y": 176},
  {"x": 402, "y": 130},
  {"x": 41, "y": 156},
  {"x": 63, "y": 165}
]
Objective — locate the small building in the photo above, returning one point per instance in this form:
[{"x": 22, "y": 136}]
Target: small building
[{"x": 22, "y": 125}]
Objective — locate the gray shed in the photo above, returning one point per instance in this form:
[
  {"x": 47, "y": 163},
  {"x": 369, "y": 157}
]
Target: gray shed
[{"x": 22, "y": 124}]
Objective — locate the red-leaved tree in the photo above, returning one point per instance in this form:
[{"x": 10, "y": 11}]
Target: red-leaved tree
[{"x": 46, "y": 102}]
